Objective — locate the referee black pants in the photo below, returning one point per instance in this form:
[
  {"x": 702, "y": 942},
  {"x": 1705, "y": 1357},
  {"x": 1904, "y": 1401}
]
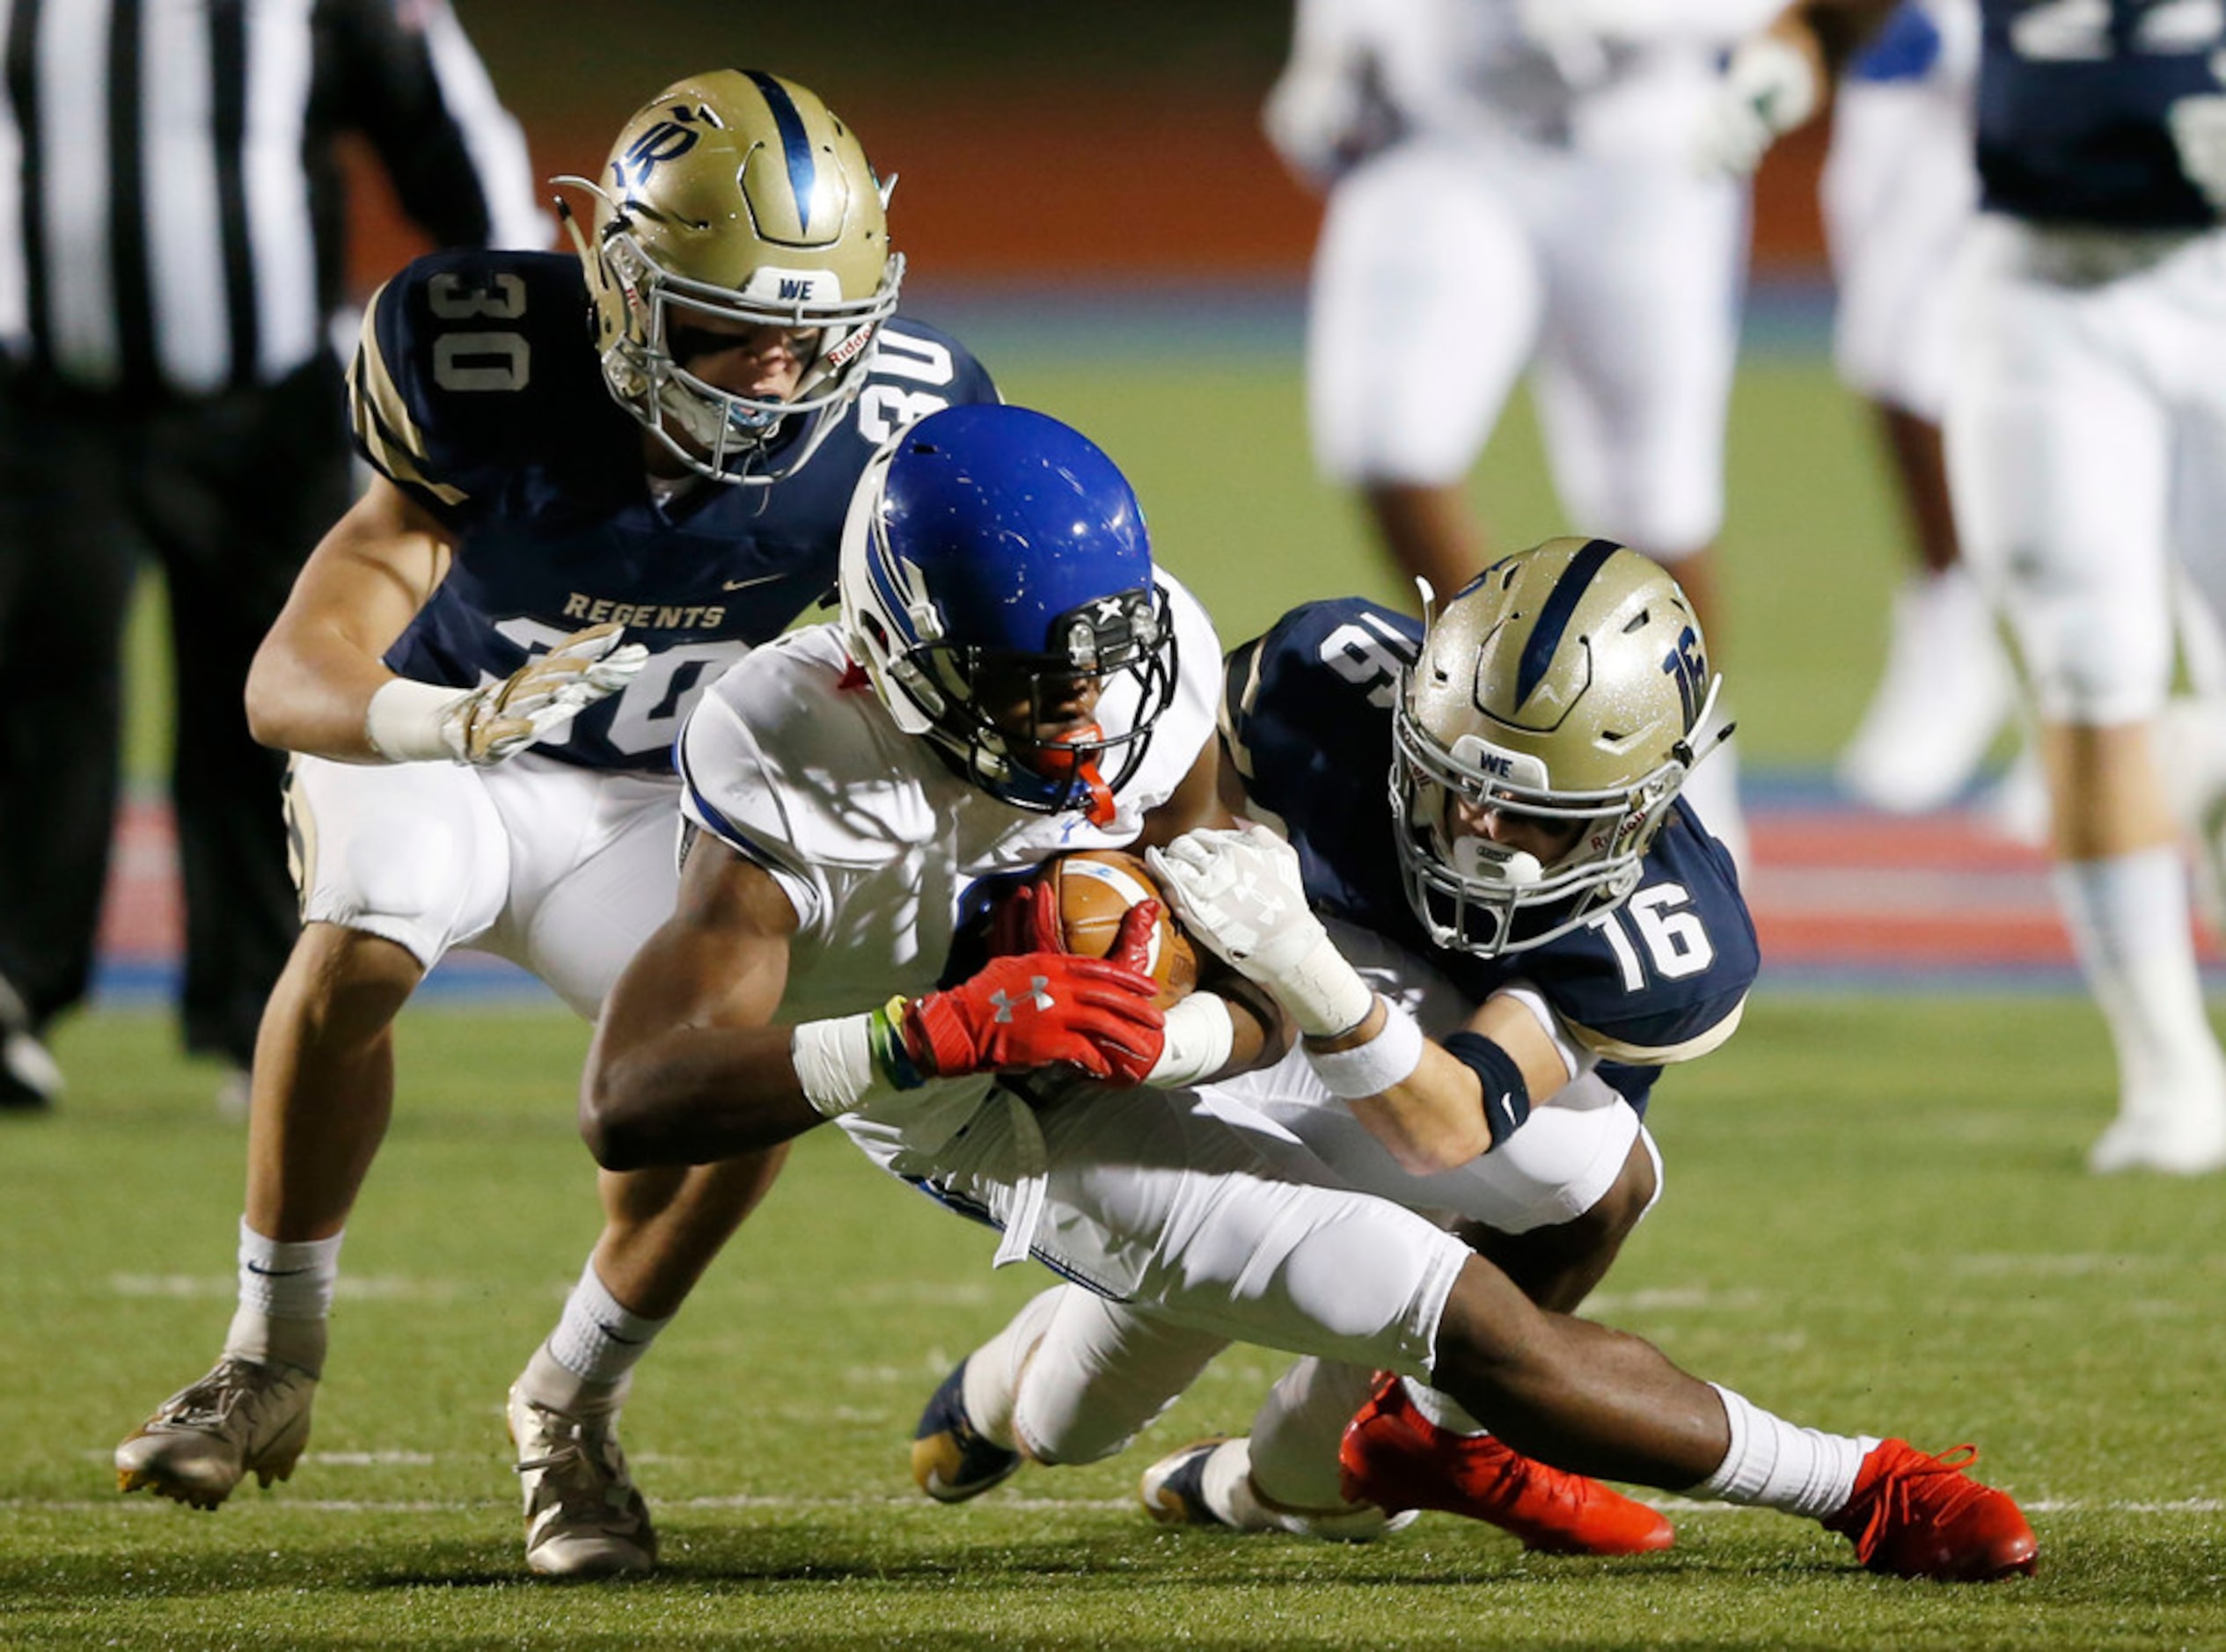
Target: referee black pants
[{"x": 227, "y": 495}]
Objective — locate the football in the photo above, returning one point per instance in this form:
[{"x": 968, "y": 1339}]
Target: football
[{"x": 1095, "y": 887}]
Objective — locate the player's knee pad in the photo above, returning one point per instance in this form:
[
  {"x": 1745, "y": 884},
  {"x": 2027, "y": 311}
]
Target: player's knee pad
[
  {"x": 409, "y": 851},
  {"x": 1099, "y": 1374},
  {"x": 1569, "y": 1156}
]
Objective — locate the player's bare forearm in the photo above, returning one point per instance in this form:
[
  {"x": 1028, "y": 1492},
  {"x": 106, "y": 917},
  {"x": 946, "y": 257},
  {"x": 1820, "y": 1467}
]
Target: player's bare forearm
[
  {"x": 686, "y": 1067},
  {"x": 1436, "y": 1118},
  {"x": 313, "y": 677},
  {"x": 1263, "y": 1033},
  {"x": 1837, "y": 30},
  {"x": 692, "y": 1097}
]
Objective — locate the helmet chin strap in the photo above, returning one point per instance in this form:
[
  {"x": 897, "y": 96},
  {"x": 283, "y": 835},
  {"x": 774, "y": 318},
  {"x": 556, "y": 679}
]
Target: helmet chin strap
[{"x": 1065, "y": 762}]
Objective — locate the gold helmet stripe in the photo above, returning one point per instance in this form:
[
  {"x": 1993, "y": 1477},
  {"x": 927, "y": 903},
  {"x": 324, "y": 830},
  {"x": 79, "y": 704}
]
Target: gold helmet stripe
[{"x": 1554, "y": 616}]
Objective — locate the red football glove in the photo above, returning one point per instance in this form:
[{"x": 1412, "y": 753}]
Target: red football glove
[
  {"x": 1043, "y": 1009},
  {"x": 1026, "y": 920}
]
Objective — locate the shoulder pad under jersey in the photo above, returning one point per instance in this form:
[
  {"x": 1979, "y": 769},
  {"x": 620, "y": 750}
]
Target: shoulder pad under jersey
[{"x": 472, "y": 364}]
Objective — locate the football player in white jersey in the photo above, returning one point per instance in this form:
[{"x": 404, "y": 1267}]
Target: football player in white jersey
[
  {"x": 2086, "y": 441},
  {"x": 1899, "y": 190},
  {"x": 1011, "y": 675},
  {"x": 1510, "y": 189},
  {"x": 567, "y": 449}
]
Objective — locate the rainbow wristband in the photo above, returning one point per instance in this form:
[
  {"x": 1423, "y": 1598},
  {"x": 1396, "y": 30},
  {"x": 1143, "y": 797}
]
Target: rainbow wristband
[{"x": 885, "y": 1037}]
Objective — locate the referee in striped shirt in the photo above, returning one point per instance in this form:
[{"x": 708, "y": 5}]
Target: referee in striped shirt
[{"x": 171, "y": 265}]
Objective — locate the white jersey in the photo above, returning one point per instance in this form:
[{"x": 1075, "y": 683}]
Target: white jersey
[
  {"x": 1623, "y": 78},
  {"x": 1538, "y": 210},
  {"x": 791, "y": 761}
]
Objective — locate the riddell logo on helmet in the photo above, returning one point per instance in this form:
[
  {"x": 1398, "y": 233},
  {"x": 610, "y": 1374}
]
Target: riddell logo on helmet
[{"x": 850, "y": 349}]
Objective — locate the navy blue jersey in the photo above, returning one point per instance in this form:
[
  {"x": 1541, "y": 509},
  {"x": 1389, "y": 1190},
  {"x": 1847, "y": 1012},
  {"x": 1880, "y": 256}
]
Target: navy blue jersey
[
  {"x": 477, "y": 391},
  {"x": 1308, "y": 721},
  {"x": 2074, "y": 110}
]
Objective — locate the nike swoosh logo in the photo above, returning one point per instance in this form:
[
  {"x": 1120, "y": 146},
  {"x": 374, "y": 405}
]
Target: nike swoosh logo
[{"x": 744, "y": 585}]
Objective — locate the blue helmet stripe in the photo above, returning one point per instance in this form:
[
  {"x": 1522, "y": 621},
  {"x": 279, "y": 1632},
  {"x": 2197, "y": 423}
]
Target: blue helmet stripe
[
  {"x": 795, "y": 144},
  {"x": 1553, "y": 619}
]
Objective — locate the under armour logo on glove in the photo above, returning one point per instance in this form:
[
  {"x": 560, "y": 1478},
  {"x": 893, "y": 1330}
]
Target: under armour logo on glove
[
  {"x": 1241, "y": 892},
  {"x": 1037, "y": 996},
  {"x": 1042, "y": 1010}
]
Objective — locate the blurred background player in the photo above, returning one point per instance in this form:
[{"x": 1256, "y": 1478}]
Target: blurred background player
[
  {"x": 172, "y": 210},
  {"x": 658, "y": 437},
  {"x": 1510, "y": 188},
  {"x": 2086, "y": 444},
  {"x": 1899, "y": 190},
  {"x": 1535, "y": 764}
]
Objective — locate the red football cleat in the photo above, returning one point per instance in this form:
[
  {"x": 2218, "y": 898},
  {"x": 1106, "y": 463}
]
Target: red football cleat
[
  {"x": 1398, "y": 1460},
  {"x": 1915, "y": 1515}
]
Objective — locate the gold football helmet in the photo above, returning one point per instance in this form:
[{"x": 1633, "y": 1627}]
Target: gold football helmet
[
  {"x": 737, "y": 196},
  {"x": 1563, "y": 685}
]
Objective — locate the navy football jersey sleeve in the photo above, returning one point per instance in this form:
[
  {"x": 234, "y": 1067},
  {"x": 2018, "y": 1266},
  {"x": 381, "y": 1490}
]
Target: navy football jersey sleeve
[
  {"x": 1307, "y": 722},
  {"x": 477, "y": 391},
  {"x": 473, "y": 376}
]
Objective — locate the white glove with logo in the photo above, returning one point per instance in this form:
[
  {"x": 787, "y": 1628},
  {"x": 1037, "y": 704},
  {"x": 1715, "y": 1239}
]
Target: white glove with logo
[
  {"x": 422, "y": 723},
  {"x": 1240, "y": 892},
  {"x": 1768, "y": 88}
]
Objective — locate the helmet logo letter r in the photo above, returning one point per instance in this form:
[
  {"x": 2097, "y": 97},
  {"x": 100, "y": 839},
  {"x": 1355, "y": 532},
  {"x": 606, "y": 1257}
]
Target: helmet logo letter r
[
  {"x": 1691, "y": 671},
  {"x": 667, "y": 141}
]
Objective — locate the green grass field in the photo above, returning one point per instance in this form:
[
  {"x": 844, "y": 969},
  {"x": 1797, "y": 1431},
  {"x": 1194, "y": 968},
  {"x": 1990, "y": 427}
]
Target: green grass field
[{"x": 1875, "y": 1220}]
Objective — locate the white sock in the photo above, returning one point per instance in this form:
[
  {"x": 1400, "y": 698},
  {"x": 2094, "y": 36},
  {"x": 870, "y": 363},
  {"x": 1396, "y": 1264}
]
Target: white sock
[
  {"x": 1441, "y": 1409},
  {"x": 1777, "y": 1465},
  {"x": 991, "y": 1385},
  {"x": 1226, "y": 1484},
  {"x": 285, "y": 1297},
  {"x": 2129, "y": 917},
  {"x": 1297, "y": 1429},
  {"x": 599, "y": 1339}
]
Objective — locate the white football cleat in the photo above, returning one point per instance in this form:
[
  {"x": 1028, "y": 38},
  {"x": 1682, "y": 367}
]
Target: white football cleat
[
  {"x": 244, "y": 1417},
  {"x": 1945, "y": 694},
  {"x": 1174, "y": 1492},
  {"x": 2184, "y": 1138},
  {"x": 583, "y": 1515}
]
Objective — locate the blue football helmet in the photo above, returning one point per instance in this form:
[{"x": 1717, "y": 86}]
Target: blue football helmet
[{"x": 995, "y": 567}]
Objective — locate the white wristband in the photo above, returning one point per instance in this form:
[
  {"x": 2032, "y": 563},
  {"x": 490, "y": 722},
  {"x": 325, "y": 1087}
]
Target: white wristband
[
  {"x": 1200, "y": 1033},
  {"x": 834, "y": 1062},
  {"x": 1388, "y": 1058},
  {"x": 1323, "y": 992},
  {"x": 405, "y": 722}
]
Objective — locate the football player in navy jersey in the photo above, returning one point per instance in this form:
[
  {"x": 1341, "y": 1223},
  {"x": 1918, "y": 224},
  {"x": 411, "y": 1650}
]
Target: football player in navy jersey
[
  {"x": 1489, "y": 958},
  {"x": 599, "y": 481},
  {"x": 2086, "y": 444}
]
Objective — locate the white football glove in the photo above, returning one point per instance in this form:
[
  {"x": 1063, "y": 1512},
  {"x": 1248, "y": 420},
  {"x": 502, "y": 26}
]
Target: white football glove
[
  {"x": 418, "y": 722},
  {"x": 2197, "y": 126},
  {"x": 1768, "y": 88},
  {"x": 1240, "y": 892},
  {"x": 1325, "y": 114}
]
